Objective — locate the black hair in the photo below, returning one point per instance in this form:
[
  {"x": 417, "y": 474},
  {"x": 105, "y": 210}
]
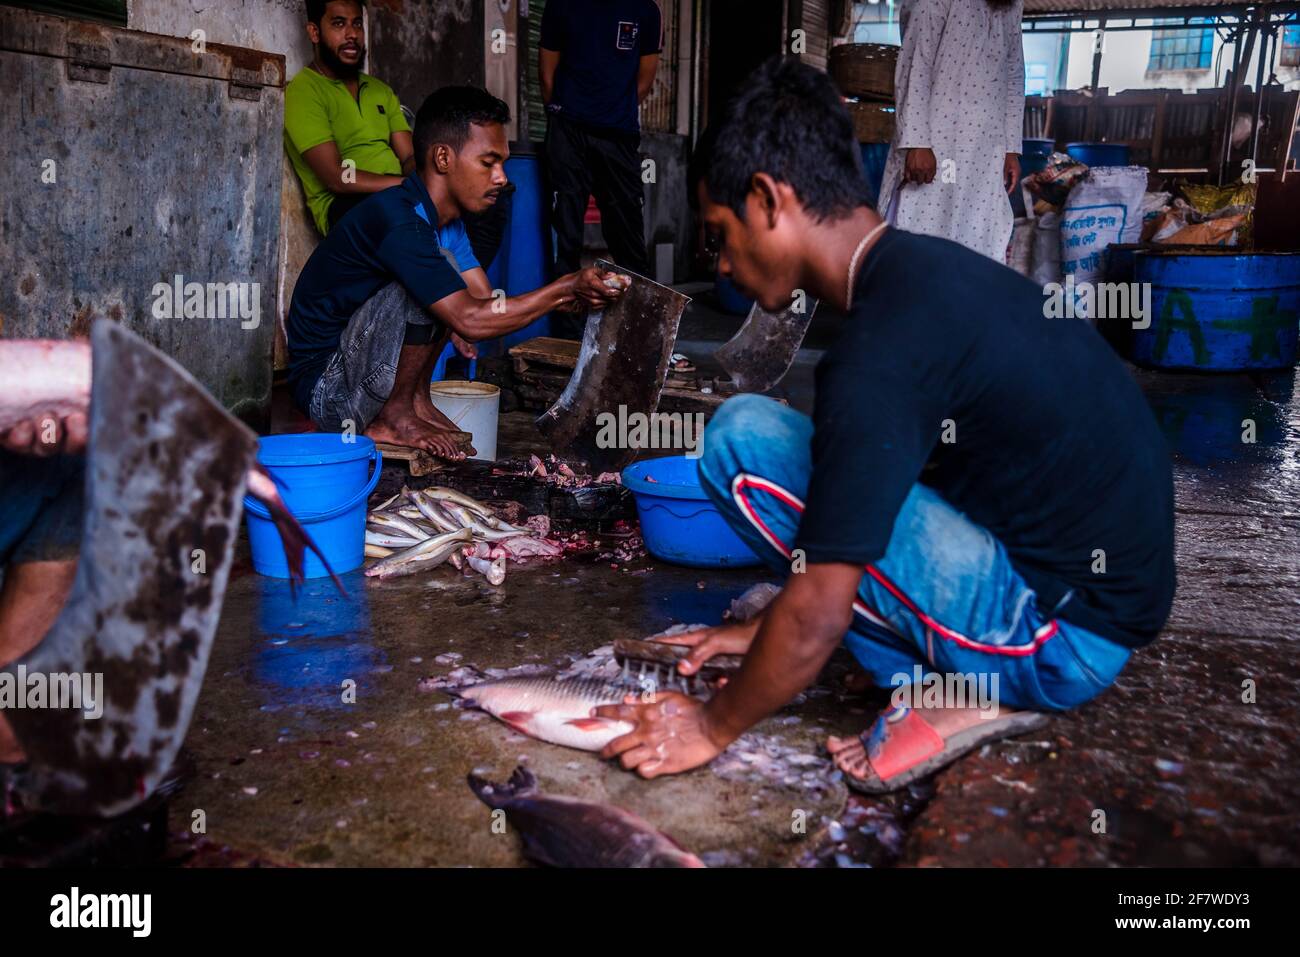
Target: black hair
[
  {"x": 316, "y": 9},
  {"x": 788, "y": 121},
  {"x": 446, "y": 115}
]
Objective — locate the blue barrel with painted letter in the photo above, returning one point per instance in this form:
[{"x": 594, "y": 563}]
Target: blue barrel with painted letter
[
  {"x": 1099, "y": 154},
  {"x": 1219, "y": 311}
]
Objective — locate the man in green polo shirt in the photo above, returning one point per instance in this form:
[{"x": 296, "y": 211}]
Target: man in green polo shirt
[{"x": 343, "y": 130}]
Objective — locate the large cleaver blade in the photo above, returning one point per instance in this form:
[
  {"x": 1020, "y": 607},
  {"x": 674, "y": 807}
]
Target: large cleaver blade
[
  {"x": 759, "y": 355},
  {"x": 165, "y": 474},
  {"x": 620, "y": 370}
]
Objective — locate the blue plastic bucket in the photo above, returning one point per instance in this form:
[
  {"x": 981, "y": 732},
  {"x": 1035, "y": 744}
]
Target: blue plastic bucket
[
  {"x": 325, "y": 482},
  {"x": 1034, "y": 154},
  {"x": 1219, "y": 312},
  {"x": 679, "y": 523},
  {"x": 1099, "y": 154}
]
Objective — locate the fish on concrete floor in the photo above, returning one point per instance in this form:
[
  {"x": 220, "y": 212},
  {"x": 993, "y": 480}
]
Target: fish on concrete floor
[
  {"x": 563, "y": 831},
  {"x": 553, "y": 710}
]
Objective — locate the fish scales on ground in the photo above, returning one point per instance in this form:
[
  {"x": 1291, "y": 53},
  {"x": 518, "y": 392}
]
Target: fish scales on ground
[{"x": 561, "y": 831}]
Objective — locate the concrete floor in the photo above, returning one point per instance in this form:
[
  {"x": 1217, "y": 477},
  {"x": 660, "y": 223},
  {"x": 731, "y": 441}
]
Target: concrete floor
[{"x": 1181, "y": 769}]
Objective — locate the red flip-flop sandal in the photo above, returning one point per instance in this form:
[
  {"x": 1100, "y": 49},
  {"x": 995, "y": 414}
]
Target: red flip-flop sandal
[{"x": 902, "y": 747}]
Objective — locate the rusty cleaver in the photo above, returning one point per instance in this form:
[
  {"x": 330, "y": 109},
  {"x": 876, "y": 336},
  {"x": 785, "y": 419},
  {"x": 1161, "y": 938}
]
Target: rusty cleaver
[
  {"x": 620, "y": 370},
  {"x": 759, "y": 355}
]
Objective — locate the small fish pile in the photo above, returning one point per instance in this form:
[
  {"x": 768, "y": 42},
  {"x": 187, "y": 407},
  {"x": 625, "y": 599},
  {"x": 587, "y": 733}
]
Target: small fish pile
[
  {"x": 415, "y": 531},
  {"x": 557, "y": 472},
  {"x": 563, "y": 831}
]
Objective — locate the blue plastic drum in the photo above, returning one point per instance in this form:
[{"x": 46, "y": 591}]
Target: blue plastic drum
[{"x": 1219, "y": 311}]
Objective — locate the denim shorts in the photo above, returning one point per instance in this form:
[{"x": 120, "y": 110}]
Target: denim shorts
[
  {"x": 41, "y": 515},
  {"x": 945, "y": 598},
  {"x": 360, "y": 374}
]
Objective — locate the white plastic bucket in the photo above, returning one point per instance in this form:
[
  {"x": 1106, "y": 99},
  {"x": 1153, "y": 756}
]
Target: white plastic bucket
[{"x": 473, "y": 408}]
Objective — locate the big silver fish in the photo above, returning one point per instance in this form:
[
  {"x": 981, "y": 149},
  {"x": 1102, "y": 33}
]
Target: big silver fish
[
  {"x": 549, "y": 709},
  {"x": 568, "y": 832}
]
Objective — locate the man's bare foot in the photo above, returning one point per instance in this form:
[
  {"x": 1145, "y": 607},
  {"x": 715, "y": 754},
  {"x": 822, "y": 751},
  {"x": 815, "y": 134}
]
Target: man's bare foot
[
  {"x": 412, "y": 432},
  {"x": 427, "y": 411}
]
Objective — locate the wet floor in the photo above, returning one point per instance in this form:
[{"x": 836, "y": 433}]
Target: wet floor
[{"x": 1191, "y": 759}]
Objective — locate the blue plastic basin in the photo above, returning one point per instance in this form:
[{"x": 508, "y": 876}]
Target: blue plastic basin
[
  {"x": 1099, "y": 154},
  {"x": 325, "y": 481},
  {"x": 679, "y": 523}
]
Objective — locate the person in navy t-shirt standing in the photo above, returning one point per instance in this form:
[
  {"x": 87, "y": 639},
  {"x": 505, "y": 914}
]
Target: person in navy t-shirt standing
[{"x": 598, "y": 62}]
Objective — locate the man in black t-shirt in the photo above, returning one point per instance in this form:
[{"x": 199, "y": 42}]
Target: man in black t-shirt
[
  {"x": 980, "y": 509},
  {"x": 597, "y": 63}
]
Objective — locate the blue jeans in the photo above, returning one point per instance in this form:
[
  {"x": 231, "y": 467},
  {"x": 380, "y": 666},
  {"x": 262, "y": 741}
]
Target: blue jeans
[
  {"x": 945, "y": 596},
  {"x": 41, "y": 515}
]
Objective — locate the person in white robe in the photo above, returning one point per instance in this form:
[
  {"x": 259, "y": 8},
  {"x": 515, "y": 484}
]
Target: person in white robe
[{"x": 960, "y": 95}]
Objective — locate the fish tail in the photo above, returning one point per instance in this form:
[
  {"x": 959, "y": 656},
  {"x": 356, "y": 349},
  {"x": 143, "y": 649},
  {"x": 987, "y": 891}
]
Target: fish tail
[
  {"x": 521, "y": 782},
  {"x": 294, "y": 539}
]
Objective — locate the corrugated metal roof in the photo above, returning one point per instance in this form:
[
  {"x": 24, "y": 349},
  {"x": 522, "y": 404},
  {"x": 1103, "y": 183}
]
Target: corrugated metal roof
[{"x": 1094, "y": 7}]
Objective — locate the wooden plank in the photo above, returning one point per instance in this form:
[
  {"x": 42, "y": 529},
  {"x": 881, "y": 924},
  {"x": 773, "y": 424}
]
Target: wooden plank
[
  {"x": 418, "y": 462},
  {"x": 548, "y": 351}
]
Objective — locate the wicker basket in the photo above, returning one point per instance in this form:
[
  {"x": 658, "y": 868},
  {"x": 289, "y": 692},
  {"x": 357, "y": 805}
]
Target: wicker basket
[
  {"x": 872, "y": 122},
  {"x": 864, "y": 69}
]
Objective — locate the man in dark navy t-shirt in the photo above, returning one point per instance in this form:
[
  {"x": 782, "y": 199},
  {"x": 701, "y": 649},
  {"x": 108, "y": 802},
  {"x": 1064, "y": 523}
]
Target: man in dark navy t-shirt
[
  {"x": 980, "y": 508},
  {"x": 597, "y": 63},
  {"x": 383, "y": 292}
]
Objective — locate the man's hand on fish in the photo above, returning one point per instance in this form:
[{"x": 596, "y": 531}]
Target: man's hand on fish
[
  {"x": 672, "y": 734},
  {"x": 730, "y": 639},
  {"x": 796, "y": 635},
  {"x": 47, "y": 435}
]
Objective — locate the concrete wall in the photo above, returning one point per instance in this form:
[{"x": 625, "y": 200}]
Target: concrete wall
[
  {"x": 276, "y": 26},
  {"x": 425, "y": 44},
  {"x": 135, "y": 160}
]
